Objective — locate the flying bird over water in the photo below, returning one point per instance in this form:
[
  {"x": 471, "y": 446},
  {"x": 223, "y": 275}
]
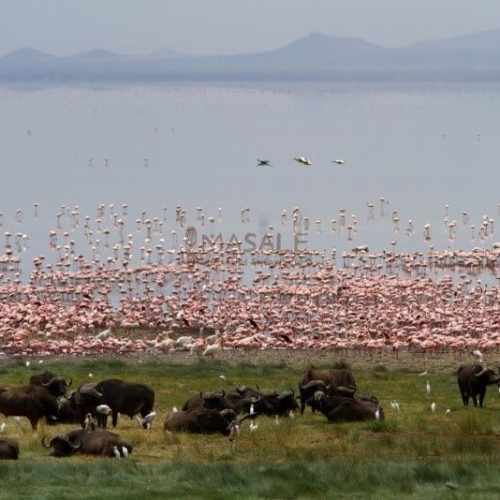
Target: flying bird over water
[
  {"x": 303, "y": 160},
  {"x": 264, "y": 163},
  {"x": 339, "y": 162}
]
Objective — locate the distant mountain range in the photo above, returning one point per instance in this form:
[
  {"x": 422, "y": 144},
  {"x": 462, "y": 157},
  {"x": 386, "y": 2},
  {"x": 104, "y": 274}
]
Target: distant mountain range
[{"x": 474, "y": 57}]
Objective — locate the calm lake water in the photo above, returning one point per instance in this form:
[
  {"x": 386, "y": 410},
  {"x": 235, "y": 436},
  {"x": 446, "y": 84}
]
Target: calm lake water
[{"x": 197, "y": 146}]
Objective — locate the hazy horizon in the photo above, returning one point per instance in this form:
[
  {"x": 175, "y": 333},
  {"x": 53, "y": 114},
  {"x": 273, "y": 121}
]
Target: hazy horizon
[{"x": 226, "y": 27}]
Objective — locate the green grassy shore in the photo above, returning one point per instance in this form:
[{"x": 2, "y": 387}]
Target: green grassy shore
[{"x": 414, "y": 453}]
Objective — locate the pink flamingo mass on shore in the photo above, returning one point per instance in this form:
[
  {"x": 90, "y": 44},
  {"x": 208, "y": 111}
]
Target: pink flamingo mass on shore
[{"x": 113, "y": 283}]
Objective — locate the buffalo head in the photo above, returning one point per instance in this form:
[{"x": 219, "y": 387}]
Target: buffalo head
[
  {"x": 213, "y": 400},
  {"x": 62, "y": 446},
  {"x": 489, "y": 375},
  {"x": 56, "y": 386}
]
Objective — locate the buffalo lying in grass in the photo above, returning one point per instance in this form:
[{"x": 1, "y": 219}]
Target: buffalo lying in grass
[
  {"x": 82, "y": 442},
  {"x": 335, "y": 381},
  {"x": 341, "y": 409},
  {"x": 201, "y": 421}
]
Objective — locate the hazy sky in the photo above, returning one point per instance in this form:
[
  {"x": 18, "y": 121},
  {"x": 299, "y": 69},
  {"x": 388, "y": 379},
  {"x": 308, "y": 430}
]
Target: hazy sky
[{"x": 230, "y": 26}]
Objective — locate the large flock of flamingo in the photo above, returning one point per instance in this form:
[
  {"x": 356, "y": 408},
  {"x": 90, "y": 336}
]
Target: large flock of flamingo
[{"x": 115, "y": 284}]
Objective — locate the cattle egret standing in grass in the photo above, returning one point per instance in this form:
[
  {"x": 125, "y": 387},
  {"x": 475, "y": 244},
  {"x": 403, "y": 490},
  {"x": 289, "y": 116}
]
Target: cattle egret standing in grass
[
  {"x": 291, "y": 414},
  {"x": 149, "y": 419},
  {"x": 253, "y": 427},
  {"x": 91, "y": 375},
  {"x": 28, "y": 364},
  {"x": 377, "y": 413},
  {"x": 222, "y": 377},
  {"x": 103, "y": 409},
  {"x": 447, "y": 412},
  {"x": 428, "y": 388},
  {"x": 124, "y": 451},
  {"x": 433, "y": 407},
  {"x": 116, "y": 452},
  {"x": 174, "y": 409},
  {"x": 2, "y": 427},
  {"x": 252, "y": 410},
  {"x": 277, "y": 420},
  {"x": 395, "y": 405}
]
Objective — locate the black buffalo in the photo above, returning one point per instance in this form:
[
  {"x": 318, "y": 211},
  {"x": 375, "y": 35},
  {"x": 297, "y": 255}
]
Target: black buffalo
[
  {"x": 127, "y": 398},
  {"x": 277, "y": 404},
  {"x": 53, "y": 384},
  {"x": 29, "y": 401},
  {"x": 9, "y": 449},
  {"x": 473, "y": 381},
  {"x": 98, "y": 442},
  {"x": 334, "y": 381},
  {"x": 201, "y": 421},
  {"x": 342, "y": 409},
  {"x": 217, "y": 401},
  {"x": 208, "y": 400}
]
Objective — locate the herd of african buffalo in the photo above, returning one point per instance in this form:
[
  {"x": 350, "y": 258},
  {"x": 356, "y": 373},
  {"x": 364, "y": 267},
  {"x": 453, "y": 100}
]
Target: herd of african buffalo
[{"x": 333, "y": 392}]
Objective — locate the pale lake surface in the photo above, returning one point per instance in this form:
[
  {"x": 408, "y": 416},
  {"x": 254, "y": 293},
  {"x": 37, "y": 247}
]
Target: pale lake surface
[{"x": 197, "y": 146}]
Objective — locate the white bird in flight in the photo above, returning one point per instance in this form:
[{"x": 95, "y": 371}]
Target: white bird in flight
[
  {"x": 339, "y": 162},
  {"x": 303, "y": 160}
]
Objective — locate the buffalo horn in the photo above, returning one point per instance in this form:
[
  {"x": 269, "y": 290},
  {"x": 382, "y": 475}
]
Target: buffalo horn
[
  {"x": 312, "y": 383},
  {"x": 52, "y": 380},
  {"x": 481, "y": 373},
  {"x": 285, "y": 394},
  {"x": 76, "y": 445},
  {"x": 348, "y": 390},
  {"x": 90, "y": 390},
  {"x": 43, "y": 442}
]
